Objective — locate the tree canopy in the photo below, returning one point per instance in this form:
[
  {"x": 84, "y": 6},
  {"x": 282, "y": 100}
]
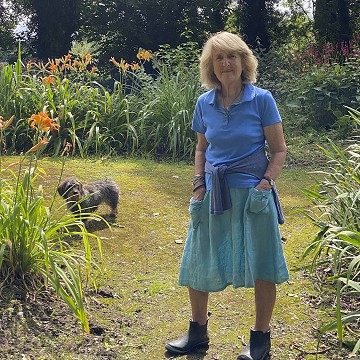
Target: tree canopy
[
  {"x": 121, "y": 28},
  {"x": 332, "y": 21},
  {"x": 6, "y": 28}
]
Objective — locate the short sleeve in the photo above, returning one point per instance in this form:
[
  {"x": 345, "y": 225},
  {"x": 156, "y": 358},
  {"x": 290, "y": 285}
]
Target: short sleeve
[
  {"x": 197, "y": 122},
  {"x": 269, "y": 112}
]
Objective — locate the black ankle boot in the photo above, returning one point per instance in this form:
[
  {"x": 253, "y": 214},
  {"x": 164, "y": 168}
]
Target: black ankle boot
[
  {"x": 196, "y": 337},
  {"x": 258, "y": 348}
]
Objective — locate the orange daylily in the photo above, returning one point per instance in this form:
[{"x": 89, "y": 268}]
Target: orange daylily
[
  {"x": 77, "y": 63},
  {"x": 66, "y": 58},
  {"x": 135, "y": 66},
  {"x": 43, "y": 122},
  {"x": 29, "y": 64},
  {"x": 93, "y": 69},
  {"x": 124, "y": 65},
  {"x": 88, "y": 57},
  {"x": 69, "y": 67},
  {"x": 53, "y": 67},
  {"x": 145, "y": 55},
  {"x": 4, "y": 124},
  {"x": 39, "y": 145},
  {"x": 48, "y": 80},
  {"x": 112, "y": 59}
]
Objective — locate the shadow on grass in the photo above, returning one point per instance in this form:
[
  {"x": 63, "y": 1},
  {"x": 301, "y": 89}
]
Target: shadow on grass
[{"x": 197, "y": 354}]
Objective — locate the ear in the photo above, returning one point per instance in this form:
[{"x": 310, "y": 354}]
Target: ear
[
  {"x": 80, "y": 187},
  {"x": 63, "y": 187}
]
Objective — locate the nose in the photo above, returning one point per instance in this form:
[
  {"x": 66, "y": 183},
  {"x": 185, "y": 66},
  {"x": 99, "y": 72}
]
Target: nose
[{"x": 226, "y": 61}]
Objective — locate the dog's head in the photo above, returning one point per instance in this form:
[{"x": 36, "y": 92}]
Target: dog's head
[{"x": 71, "y": 190}]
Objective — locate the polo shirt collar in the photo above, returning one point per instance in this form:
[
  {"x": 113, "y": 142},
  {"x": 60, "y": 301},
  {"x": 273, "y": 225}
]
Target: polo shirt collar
[{"x": 248, "y": 95}]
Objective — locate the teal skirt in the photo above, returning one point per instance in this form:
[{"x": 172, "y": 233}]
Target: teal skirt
[{"x": 235, "y": 248}]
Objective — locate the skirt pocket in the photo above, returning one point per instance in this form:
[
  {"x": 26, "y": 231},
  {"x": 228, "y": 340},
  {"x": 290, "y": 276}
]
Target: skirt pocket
[
  {"x": 195, "y": 211},
  {"x": 259, "y": 200}
]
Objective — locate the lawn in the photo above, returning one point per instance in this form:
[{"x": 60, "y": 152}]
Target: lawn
[{"x": 137, "y": 305}]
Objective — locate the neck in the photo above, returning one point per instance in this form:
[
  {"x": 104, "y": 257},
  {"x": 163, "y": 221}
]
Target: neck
[
  {"x": 231, "y": 92},
  {"x": 230, "y": 95}
]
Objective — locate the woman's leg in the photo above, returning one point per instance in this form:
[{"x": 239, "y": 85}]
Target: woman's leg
[
  {"x": 265, "y": 296},
  {"x": 199, "y": 304},
  {"x": 259, "y": 345},
  {"x": 197, "y": 334}
]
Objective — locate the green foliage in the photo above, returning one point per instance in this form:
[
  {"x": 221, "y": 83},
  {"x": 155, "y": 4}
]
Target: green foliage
[
  {"x": 82, "y": 47},
  {"x": 148, "y": 106},
  {"x": 142, "y": 112},
  {"x": 319, "y": 94},
  {"x": 7, "y": 90},
  {"x": 168, "y": 102},
  {"x": 273, "y": 70},
  {"x": 164, "y": 122},
  {"x": 254, "y": 20},
  {"x": 7, "y": 26},
  {"x": 34, "y": 246},
  {"x": 52, "y": 39},
  {"x": 332, "y": 21},
  {"x": 123, "y": 27},
  {"x": 336, "y": 211}
]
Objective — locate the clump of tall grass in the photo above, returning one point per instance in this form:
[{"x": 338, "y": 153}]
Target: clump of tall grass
[
  {"x": 336, "y": 211},
  {"x": 163, "y": 99}
]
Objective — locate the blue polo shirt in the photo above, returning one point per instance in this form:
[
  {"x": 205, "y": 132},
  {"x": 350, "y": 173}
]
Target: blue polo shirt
[{"x": 237, "y": 132}]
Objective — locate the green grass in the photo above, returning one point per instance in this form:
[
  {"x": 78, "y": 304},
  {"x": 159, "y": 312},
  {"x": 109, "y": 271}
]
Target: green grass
[{"x": 141, "y": 264}]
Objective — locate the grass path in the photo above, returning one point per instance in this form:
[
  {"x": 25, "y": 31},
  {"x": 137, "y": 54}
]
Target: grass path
[{"x": 141, "y": 262}]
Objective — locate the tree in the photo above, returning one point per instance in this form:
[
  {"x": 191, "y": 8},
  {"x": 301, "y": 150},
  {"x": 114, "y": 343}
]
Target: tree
[
  {"x": 122, "y": 27},
  {"x": 354, "y": 8},
  {"x": 255, "y": 27},
  {"x": 53, "y": 23},
  {"x": 258, "y": 21},
  {"x": 7, "y": 38},
  {"x": 332, "y": 21}
]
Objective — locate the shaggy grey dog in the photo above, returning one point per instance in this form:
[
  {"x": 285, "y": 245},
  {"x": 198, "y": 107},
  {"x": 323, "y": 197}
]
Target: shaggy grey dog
[{"x": 88, "y": 197}]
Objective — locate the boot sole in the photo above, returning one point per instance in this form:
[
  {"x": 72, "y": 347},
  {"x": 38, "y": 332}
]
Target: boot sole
[
  {"x": 265, "y": 357},
  {"x": 173, "y": 350}
]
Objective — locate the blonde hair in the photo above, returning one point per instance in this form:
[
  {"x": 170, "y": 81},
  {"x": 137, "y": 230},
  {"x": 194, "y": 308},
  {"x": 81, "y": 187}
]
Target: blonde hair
[{"x": 228, "y": 42}]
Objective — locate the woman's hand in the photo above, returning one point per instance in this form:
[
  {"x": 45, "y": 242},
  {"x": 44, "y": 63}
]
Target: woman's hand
[
  {"x": 199, "y": 193},
  {"x": 263, "y": 185}
]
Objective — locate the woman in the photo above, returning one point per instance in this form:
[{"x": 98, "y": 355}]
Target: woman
[{"x": 233, "y": 236}]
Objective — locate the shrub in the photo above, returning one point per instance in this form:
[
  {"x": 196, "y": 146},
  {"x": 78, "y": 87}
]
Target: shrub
[
  {"x": 325, "y": 82},
  {"x": 336, "y": 211}
]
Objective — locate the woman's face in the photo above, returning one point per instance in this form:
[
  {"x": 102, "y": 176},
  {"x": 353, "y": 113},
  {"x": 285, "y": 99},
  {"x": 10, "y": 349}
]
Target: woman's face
[{"x": 227, "y": 67}]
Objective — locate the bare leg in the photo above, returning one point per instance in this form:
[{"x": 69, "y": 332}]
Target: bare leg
[
  {"x": 197, "y": 334},
  {"x": 199, "y": 302},
  {"x": 265, "y": 296}
]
